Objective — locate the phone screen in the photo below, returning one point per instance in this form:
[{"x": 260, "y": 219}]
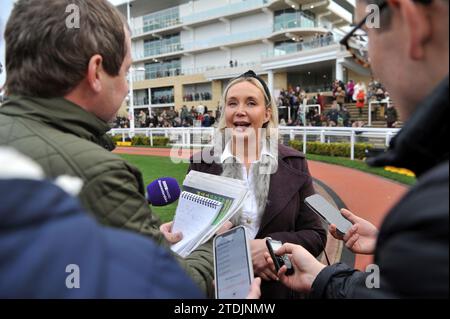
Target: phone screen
[
  {"x": 276, "y": 245},
  {"x": 233, "y": 267}
]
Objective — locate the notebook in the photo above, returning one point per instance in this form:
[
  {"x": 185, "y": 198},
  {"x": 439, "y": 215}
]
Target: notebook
[{"x": 194, "y": 217}]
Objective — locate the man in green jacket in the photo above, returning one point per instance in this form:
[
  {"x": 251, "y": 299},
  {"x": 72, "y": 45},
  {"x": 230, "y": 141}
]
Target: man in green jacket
[{"x": 66, "y": 78}]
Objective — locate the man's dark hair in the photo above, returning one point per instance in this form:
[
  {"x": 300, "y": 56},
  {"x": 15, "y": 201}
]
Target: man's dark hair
[{"x": 46, "y": 58}]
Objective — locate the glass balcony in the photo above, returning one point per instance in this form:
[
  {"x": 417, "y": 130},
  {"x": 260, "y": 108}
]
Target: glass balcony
[
  {"x": 156, "y": 74},
  {"x": 141, "y": 101},
  {"x": 159, "y": 20},
  {"x": 294, "y": 47},
  {"x": 163, "y": 99},
  {"x": 171, "y": 17},
  {"x": 163, "y": 49},
  {"x": 228, "y": 39},
  {"x": 156, "y": 48},
  {"x": 293, "y": 20},
  {"x": 225, "y": 10}
]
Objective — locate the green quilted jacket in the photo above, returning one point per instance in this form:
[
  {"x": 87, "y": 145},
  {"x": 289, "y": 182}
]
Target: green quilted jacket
[{"x": 67, "y": 140}]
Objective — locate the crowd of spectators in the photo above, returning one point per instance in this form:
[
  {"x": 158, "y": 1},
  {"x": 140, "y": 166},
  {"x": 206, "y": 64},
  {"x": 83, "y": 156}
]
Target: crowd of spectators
[
  {"x": 165, "y": 99},
  {"x": 295, "y": 100},
  {"x": 203, "y": 96},
  {"x": 195, "y": 116},
  {"x": 319, "y": 40}
]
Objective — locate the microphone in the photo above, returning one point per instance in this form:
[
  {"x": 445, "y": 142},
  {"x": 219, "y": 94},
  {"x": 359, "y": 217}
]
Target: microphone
[{"x": 163, "y": 191}]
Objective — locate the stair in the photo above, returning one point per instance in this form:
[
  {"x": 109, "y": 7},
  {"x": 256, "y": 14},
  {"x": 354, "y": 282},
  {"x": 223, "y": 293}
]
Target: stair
[{"x": 378, "y": 122}]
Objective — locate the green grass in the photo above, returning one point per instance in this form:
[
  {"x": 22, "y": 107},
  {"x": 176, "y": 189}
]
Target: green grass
[
  {"x": 156, "y": 167},
  {"x": 362, "y": 166}
]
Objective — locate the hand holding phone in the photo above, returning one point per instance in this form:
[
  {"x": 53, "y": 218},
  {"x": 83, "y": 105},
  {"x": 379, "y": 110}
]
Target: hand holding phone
[
  {"x": 328, "y": 213},
  {"x": 233, "y": 266},
  {"x": 279, "y": 261}
]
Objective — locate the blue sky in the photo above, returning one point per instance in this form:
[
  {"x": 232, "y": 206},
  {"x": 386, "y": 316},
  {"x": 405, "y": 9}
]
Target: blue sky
[{"x": 5, "y": 10}]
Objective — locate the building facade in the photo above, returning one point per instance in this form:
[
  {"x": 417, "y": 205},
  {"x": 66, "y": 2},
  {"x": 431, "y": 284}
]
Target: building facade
[{"x": 185, "y": 52}]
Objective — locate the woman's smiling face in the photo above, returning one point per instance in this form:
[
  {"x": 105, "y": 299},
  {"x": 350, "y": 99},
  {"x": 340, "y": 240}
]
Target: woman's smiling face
[{"x": 245, "y": 109}]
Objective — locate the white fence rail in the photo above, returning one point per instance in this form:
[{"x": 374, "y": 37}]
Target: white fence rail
[
  {"x": 203, "y": 137},
  {"x": 183, "y": 136}
]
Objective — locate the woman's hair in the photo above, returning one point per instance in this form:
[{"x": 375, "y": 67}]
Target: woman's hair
[{"x": 269, "y": 102}]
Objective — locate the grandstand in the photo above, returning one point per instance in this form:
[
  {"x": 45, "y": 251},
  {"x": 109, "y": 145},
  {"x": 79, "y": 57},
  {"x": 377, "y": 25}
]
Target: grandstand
[{"x": 193, "y": 48}]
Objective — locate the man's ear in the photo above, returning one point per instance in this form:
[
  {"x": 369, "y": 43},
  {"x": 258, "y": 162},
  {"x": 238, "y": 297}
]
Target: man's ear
[
  {"x": 418, "y": 27},
  {"x": 94, "y": 73}
]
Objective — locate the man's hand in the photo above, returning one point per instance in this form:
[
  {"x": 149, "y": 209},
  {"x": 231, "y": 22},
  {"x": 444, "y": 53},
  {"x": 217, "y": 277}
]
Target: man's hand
[
  {"x": 166, "y": 230},
  {"x": 305, "y": 265},
  {"x": 260, "y": 266},
  {"x": 255, "y": 289},
  {"x": 225, "y": 227},
  {"x": 362, "y": 236}
]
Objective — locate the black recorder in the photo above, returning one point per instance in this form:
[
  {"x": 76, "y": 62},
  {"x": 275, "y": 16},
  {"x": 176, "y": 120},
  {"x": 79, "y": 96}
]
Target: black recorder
[{"x": 279, "y": 261}]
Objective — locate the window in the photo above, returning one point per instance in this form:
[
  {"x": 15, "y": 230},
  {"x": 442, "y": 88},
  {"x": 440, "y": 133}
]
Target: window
[
  {"x": 197, "y": 92},
  {"x": 168, "y": 44},
  {"x": 290, "y": 18},
  {"x": 162, "y": 19},
  {"x": 162, "y": 69},
  {"x": 163, "y": 95}
]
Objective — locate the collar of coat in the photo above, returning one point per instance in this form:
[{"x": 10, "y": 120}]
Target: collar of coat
[
  {"x": 287, "y": 181},
  {"x": 62, "y": 115},
  {"x": 422, "y": 143}
]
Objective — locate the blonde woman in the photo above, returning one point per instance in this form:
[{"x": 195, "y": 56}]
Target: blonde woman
[{"x": 277, "y": 176}]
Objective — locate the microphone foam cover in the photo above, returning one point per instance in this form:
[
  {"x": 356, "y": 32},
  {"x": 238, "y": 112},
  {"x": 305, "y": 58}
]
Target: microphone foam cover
[{"x": 163, "y": 191}]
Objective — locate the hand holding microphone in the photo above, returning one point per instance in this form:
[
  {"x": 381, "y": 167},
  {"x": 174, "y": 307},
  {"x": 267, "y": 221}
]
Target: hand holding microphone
[
  {"x": 162, "y": 192},
  {"x": 165, "y": 191}
]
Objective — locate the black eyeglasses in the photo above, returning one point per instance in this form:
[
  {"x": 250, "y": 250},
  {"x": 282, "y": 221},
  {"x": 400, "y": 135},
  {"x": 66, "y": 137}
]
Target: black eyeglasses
[{"x": 357, "y": 40}]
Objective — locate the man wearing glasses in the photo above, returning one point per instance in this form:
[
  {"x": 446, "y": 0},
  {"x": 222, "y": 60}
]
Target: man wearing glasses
[{"x": 409, "y": 53}]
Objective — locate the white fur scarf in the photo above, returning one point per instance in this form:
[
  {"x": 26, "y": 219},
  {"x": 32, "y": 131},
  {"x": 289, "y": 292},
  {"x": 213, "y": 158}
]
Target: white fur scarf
[{"x": 260, "y": 186}]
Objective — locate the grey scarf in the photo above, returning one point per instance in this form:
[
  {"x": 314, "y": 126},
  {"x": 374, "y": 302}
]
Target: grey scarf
[{"x": 260, "y": 186}]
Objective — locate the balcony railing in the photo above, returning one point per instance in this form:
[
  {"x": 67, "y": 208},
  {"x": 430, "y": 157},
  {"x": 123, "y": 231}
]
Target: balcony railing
[
  {"x": 149, "y": 75},
  {"x": 229, "y": 39},
  {"x": 159, "y": 20},
  {"x": 141, "y": 101},
  {"x": 225, "y": 10},
  {"x": 161, "y": 25},
  {"x": 159, "y": 50},
  {"x": 198, "y": 45},
  {"x": 167, "y": 99},
  {"x": 289, "y": 48},
  {"x": 299, "y": 21}
]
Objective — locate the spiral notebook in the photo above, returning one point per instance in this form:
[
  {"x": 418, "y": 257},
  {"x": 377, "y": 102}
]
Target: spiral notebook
[{"x": 194, "y": 217}]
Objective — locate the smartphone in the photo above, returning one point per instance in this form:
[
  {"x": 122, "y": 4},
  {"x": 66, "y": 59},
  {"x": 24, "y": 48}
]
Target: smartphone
[
  {"x": 233, "y": 268},
  {"x": 279, "y": 261},
  {"x": 328, "y": 212}
]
